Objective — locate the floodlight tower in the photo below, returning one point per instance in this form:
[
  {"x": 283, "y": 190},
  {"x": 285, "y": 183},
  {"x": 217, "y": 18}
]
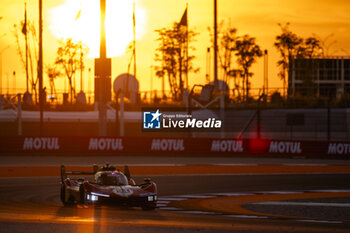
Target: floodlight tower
[
  {"x": 215, "y": 43},
  {"x": 40, "y": 69},
  {"x": 102, "y": 75}
]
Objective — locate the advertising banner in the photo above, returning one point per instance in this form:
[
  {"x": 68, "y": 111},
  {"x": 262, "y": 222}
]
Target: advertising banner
[{"x": 161, "y": 145}]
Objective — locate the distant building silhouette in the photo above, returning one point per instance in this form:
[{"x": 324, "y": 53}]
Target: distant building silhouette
[{"x": 319, "y": 77}]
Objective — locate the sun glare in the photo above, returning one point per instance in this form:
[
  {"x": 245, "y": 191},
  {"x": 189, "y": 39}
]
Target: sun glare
[{"x": 80, "y": 20}]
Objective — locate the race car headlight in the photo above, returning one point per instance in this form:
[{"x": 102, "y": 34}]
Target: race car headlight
[
  {"x": 152, "y": 198},
  {"x": 99, "y": 194},
  {"x": 92, "y": 197}
]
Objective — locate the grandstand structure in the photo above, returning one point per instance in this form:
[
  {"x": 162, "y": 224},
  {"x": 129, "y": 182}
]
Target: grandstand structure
[{"x": 319, "y": 77}]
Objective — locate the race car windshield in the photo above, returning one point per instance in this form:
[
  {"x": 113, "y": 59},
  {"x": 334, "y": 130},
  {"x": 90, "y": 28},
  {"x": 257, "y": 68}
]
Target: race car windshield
[{"x": 112, "y": 178}]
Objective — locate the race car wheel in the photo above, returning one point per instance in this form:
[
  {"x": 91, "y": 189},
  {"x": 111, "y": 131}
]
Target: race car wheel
[
  {"x": 65, "y": 200},
  {"x": 63, "y": 194},
  {"x": 82, "y": 194}
]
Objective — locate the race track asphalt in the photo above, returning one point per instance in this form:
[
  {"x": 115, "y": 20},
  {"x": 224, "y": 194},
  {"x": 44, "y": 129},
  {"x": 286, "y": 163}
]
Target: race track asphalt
[{"x": 31, "y": 204}]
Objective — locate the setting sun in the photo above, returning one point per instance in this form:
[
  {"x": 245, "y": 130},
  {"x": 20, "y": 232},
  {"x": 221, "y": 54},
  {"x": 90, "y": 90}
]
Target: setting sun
[{"x": 80, "y": 20}]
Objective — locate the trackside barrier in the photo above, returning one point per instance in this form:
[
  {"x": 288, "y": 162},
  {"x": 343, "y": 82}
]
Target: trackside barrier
[{"x": 149, "y": 145}]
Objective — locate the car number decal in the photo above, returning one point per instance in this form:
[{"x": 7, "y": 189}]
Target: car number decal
[{"x": 123, "y": 191}]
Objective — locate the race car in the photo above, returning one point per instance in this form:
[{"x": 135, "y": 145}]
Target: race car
[{"x": 108, "y": 186}]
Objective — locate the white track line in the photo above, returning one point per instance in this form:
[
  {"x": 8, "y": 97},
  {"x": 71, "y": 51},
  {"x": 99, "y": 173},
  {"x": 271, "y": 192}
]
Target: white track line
[
  {"x": 317, "y": 221},
  {"x": 332, "y": 191},
  {"x": 235, "y": 164},
  {"x": 303, "y": 203},
  {"x": 304, "y": 164},
  {"x": 278, "y": 192},
  {"x": 199, "y": 212},
  {"x": 171, "y": 208},
  {"x": 165, "y": 200},
  {"x": 171, "y": 199},
  {"x": 195, "y": 196},
  {"x": 244, "y": 216}
]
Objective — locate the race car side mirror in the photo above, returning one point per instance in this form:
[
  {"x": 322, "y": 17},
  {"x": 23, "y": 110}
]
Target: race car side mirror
[
  {"x": 127, "y": 171},
  {"x": 95, "y": 168},
  {"x": 81, "y": 180},
  {"x": 147, "y": 180},
  {"x": 131, "y": 182}
]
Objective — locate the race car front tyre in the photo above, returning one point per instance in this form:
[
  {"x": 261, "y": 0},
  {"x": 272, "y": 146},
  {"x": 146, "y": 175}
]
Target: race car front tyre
[
  {"x": 82, "y": 194},
  {"x": 66, "y": 199}
]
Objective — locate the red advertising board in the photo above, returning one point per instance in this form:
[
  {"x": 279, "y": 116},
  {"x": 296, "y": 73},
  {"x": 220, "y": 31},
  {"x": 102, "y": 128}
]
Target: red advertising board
[{"x": 150, "y": 145}]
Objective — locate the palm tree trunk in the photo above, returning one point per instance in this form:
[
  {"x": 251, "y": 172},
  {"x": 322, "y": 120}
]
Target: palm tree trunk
[
  {"x": 284, "y": 86},
  {"x": 246, "y": 87},
  {"x": 71, "y": 90},
  {"x": 243, "y": 88}
]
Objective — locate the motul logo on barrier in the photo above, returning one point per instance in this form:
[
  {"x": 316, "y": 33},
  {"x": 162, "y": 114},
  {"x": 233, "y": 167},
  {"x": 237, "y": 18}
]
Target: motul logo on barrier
[
  {"x": 285, "y": 147},
  {"x": 227, "y": 146},
  {"x": 41, "y": 143},
  {"x": 168, "y": 144},
  {"x": 106, "y": 144},
  {"x": 338, "y": 148}
]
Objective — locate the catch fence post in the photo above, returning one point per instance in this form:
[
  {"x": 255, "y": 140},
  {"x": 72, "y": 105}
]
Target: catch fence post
[
  {"x": 329, "y": 119},
  {"x": 19, "y": 114}
]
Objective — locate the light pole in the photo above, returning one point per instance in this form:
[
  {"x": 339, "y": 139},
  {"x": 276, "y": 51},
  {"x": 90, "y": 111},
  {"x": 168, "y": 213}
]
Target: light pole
[
  {"x": 3, "y": 50},
  {"x": 14, "y": 82},
  {"x": 103, "y": 70},
  {"x": 215, "y": 44},
  {"x": 81, "y": 66},
  {"x": 151, "y": 77},
  {"x": 266, "y": 76},
  {"x": 40, "y": 68}
]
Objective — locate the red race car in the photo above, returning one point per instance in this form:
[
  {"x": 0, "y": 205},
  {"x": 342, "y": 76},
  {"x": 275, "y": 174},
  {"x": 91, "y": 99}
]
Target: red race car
[{"x": 109, "y": 186}]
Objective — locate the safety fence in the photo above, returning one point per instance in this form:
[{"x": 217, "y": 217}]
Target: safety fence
[{"x": 175, "y": 146}]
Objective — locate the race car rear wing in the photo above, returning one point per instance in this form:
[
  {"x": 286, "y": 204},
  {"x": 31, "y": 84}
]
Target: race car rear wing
[
  {"x": 64, "y": 173},
  {"x": 95, "y": 169}
]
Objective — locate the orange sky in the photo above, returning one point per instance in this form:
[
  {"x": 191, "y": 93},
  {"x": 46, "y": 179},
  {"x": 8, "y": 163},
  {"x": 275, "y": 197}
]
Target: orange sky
[{"x": 258, "y": 18}]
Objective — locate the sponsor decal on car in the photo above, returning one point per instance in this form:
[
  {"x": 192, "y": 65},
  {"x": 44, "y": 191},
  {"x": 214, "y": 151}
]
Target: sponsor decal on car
[{"x": 123, "y": 191}]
